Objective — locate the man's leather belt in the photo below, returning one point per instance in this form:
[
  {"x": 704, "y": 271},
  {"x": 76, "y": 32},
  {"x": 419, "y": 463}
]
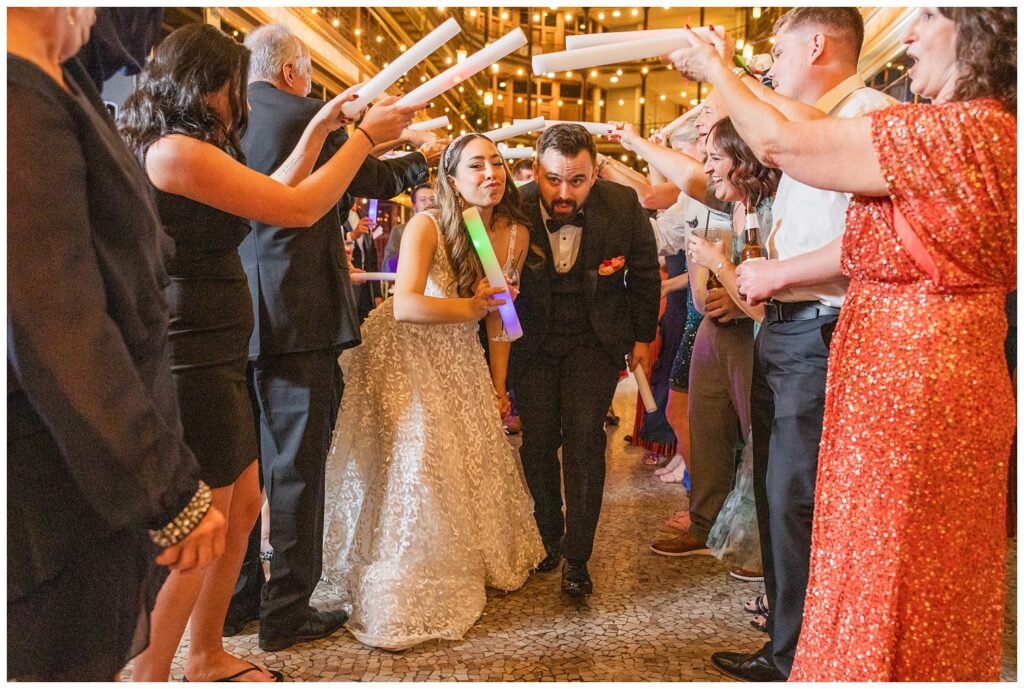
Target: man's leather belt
[{"x": 780, "y": 311}]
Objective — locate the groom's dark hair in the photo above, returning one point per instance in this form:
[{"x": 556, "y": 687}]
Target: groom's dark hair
[{"x": 567, "y": 139}]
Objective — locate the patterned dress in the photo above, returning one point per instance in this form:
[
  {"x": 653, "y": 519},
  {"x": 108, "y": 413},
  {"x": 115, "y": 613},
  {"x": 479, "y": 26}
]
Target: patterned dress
[
  {"x": 908, "y": 553},
  {"x": 425, "y": 502}
]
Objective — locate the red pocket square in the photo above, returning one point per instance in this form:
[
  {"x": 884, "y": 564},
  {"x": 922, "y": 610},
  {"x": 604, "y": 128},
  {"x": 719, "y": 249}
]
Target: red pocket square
[{"x": 611, "y": 265}]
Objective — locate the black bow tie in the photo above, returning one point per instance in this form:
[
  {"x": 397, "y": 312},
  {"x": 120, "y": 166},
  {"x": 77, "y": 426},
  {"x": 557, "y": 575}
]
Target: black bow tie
[{"x": 555, "y": 225}]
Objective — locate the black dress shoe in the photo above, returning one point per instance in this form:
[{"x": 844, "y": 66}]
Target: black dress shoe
[
  {"x": 319, "y": 624},
  {"x": 549, "y": 563},
  {"x": 747, "y": 667},
  {"x": 576, "y": 579},
  {"x": 236, "y": 619}
]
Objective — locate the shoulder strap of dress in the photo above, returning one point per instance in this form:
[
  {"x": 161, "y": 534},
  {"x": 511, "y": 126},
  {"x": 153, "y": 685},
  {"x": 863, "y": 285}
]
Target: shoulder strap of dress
[{"x": 433, "y": 215}]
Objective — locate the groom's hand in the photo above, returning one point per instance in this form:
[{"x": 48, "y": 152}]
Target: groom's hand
[{"x": 640, "y": 356}]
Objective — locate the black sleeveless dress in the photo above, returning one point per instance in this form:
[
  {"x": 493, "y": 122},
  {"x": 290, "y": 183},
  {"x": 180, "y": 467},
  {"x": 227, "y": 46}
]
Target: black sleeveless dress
[{"x": 211, "y": 320}]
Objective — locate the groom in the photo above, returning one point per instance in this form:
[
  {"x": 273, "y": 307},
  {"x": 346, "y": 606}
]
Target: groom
[{"x": 589, "y": 296}]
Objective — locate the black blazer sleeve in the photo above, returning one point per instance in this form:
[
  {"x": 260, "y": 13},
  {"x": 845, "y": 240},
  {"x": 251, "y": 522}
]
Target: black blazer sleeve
[
  {"x": 64, "y": 350},
  {"x": 643, "y": 276},
  {"x": 377, "y": 179}
]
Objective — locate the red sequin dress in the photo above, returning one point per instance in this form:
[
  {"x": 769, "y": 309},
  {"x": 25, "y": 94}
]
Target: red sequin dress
[{"x": 908, "y": 552}]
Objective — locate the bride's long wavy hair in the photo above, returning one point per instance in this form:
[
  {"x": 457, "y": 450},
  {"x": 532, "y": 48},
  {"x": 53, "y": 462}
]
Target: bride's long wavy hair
[{"x": 457, "y": 245}]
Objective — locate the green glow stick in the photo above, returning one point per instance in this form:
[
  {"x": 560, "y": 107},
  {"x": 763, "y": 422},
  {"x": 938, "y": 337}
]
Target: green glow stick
[{"x": 482, "y": 245}]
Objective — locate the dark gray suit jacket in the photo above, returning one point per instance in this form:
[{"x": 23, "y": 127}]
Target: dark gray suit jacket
[
  {"x": 623, "y": 306},
  {"x": 298, "y": 277}
]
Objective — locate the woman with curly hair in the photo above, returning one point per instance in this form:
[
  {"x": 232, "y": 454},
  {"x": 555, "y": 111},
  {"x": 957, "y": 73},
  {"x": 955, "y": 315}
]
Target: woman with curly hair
[
  {"x": 907, "y": 567},
  {"x": 722, "y": 359}
]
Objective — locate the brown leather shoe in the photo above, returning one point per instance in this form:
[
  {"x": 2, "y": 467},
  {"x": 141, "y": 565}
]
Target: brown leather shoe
[
  {"x": 745, "y": 574},
  {"x": 680, "y": 546}
]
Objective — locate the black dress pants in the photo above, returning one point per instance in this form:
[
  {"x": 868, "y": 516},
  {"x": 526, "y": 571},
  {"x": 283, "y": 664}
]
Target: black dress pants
[
  {"x": 563, "y": 396},
  {"x": 296, "y": 398},
  {"x": 787, "y": 408}
]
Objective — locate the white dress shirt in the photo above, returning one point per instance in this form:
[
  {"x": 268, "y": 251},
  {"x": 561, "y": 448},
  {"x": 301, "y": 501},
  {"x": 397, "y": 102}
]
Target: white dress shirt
[
  {"x": 565, "y": 244},
  {"x": 806, "y": 218}
]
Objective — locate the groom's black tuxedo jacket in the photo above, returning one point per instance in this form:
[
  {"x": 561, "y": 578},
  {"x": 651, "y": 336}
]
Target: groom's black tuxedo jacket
[
  {"x": 299, "y": 279},
  {"x": 623, "y": 306}
]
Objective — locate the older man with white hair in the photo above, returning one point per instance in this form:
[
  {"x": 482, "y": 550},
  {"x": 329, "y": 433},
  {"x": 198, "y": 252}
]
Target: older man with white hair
[{"x": 304, "y": 316}]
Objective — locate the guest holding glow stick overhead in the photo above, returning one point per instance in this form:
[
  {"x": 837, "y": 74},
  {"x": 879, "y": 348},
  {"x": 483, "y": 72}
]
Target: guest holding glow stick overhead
[
  {"x": 305, "y": 312},
  {"x": 930, "y": 251},
  {"x": 430, "y": 510},
  {"x": 184, "y": 123}
]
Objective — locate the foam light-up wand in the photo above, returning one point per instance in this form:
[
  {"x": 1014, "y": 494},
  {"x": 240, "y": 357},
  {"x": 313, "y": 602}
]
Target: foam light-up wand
[
  {"x": 515, "y": 129},
  {"x": 515, "y": 153},
  {"x": 613, "y": 53},
  {"x": 644, "y": 388},
  {"x": 427, "y": 125},
  {"x": 402, "y": 64},
  {"x": 458, "y": 73},
  {"x": 482, "y": 245}
]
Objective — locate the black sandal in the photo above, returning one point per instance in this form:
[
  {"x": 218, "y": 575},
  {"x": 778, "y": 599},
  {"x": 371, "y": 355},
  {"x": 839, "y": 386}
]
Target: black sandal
[
  {"x": 757, "y": 606},
  {"x": 276, "y": 674},
  {"x": 760, "y": 623}
]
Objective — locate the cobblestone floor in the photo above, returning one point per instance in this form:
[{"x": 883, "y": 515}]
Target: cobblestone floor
[{"x": 650, "y": 618}]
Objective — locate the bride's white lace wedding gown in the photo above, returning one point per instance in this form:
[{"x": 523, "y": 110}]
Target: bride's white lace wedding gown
[{"x": 425, "y": 503}]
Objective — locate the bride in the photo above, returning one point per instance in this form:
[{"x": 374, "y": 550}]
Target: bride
[{"x": 425, "y": 501}]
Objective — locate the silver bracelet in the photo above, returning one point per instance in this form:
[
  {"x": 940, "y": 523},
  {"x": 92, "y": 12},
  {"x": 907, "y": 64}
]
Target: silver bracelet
[{"x": 188, "y": 519}]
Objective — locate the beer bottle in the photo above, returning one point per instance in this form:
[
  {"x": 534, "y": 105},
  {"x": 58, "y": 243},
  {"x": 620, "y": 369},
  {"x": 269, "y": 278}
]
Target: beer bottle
[{"x": 753, "y": 250}]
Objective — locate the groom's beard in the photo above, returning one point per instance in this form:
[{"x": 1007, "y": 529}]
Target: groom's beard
[{"x": 563, "y": 216}]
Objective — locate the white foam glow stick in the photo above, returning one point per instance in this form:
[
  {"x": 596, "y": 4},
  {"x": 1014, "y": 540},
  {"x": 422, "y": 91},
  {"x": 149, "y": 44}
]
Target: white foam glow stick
[
  {"x": 373, "y": 277},
  {"x": 644, "y": 388},
  {"x": 457, "y": 73},
  {"x": 515, "y": 153},
  {"x": 402, "y": 64},
  {"x": 515, "y": 129},
  {"x": 613, "y": 53},
  {"x": 595, "y": 128},
  {"x": 427, "y": 125},
  {"x": 589, "y": 40}
]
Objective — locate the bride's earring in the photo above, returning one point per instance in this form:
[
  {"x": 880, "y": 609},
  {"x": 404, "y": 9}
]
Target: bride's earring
[{"x": 462, "y": 201}]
